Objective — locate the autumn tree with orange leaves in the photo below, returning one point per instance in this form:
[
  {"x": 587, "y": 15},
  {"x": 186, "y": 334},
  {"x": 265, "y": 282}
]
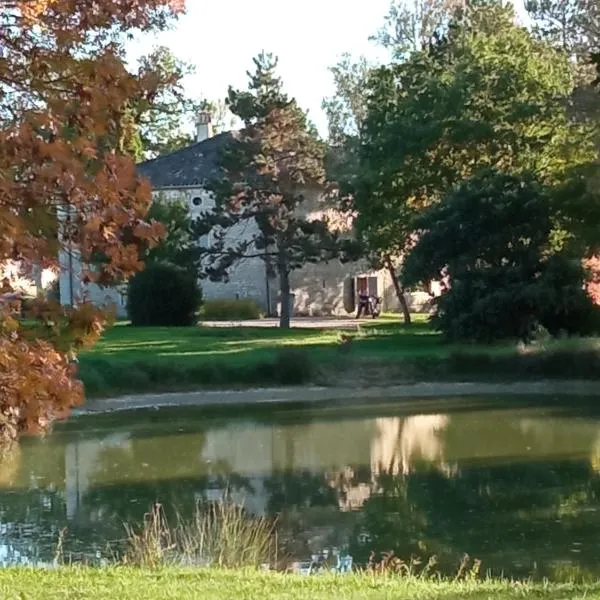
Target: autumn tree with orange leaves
[{"x": 68, "y": 110}]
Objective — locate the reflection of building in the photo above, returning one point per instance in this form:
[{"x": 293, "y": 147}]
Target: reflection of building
[
  {"x": 81, "y": 458},
  {"x": 420, "y": 440},
  {"x": 112, "y": 476},
  {"x": 350, "y": 455},
  {"x": 397, "y": 445}
]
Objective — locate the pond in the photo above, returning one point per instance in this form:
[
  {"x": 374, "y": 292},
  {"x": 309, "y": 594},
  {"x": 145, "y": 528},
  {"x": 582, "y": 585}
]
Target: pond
[{"x": 514, "y": 484}]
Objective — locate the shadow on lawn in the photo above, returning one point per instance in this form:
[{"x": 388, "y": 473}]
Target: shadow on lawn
[{"x": 138, "y": 360}]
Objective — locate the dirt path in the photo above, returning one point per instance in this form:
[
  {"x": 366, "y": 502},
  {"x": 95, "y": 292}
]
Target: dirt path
[{"x": 340, "y": 395}]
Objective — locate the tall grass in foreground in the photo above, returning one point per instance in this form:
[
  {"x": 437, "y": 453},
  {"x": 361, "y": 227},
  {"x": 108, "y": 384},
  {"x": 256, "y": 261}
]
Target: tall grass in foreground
[{"x": 220, "y": 534}]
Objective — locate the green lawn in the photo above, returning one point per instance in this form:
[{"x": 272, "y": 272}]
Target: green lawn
[
  {"x": 243, "y": 344},
  {"x": 188, "y": 584},
  {"x": 129, "y": 359}
]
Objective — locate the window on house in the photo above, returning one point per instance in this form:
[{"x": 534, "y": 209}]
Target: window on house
[{"x": 196, "y": 201}]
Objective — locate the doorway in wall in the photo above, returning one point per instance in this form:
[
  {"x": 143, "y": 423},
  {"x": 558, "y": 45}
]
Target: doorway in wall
[{"x": 367, "y": 285}]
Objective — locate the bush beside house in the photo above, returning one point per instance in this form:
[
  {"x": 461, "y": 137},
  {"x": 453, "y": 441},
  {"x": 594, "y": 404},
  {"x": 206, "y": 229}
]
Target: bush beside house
[
  {"x": 230, "y": 310},
  {"x": 163, "y": 295}
]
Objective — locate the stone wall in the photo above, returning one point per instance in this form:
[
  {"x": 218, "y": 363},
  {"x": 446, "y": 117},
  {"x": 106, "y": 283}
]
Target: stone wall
[
  {"x": 324, "y": 288},
  {"x": 321, "y": 289},
  {"x": 247, "y": 279}
]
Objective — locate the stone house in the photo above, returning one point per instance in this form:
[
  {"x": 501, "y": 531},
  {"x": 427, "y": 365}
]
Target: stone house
[{"x": 318, "y": 289}]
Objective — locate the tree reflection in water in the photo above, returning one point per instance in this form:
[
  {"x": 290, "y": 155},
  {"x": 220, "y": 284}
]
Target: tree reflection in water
[{"x": 515, "y": 488}]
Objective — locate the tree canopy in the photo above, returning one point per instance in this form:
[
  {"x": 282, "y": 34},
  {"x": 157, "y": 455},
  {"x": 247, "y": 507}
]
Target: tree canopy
[
  {"x": 410, "y": 25},
  {"x": 160, "y": 120},
  {"x": 487, "y": 94},
  {"x": 492, "y": 240},
  {"x": 66, "y": 100},
  {"x": 269, "y": 170},
  {"x": 572, "y": 25},
  {"x": 178, "y": 244}
]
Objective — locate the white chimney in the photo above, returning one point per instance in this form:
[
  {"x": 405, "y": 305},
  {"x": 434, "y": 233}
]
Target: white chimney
[{"x": 204, "y": 128}]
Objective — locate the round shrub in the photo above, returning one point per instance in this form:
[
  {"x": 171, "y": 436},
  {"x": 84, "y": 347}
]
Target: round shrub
[{"x": 163, "y": 295}]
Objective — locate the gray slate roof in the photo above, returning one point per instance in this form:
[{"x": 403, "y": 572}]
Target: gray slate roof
[{"x": 190, "y": 166}]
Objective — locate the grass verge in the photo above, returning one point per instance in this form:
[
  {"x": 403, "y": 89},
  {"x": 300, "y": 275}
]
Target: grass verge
[
  {"x": 187, "y": 584},
  {"x": 138, "y": 360}
]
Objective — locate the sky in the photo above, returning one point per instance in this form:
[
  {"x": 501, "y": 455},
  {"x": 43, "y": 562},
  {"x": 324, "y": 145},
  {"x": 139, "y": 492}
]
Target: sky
[{"x": 221, "y": 37}]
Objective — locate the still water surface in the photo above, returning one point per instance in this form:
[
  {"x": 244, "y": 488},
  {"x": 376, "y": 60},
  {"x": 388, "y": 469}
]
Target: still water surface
[{"x": 517, "y": 487}]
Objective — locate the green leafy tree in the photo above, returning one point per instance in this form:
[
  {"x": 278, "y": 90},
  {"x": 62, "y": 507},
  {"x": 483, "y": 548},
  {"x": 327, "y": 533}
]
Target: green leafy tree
[
  {"x": 410, "y": 25},
  {"x": 269, "y": 169},
  {"x": 346, "y": 112},
  {"x": 493, "y": 240},
  {"x": 572, "y": 25},
  {"x": 178, "y": 246},
  {"x": 159, "y": 122},
  {"x": 485, "y": 95},
  {"x": 347, "y": 108}
]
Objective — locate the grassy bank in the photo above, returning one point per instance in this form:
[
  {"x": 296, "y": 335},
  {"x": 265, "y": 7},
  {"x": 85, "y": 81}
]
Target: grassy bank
[
  {"x": 184, "y": 584},
  {"x": 136, "y": 360}
]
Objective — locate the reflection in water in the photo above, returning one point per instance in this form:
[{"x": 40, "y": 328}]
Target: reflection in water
[{"x": 516, "y": 488}]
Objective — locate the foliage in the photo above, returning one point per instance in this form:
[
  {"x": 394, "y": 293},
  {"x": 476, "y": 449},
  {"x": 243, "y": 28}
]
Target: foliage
[
  {"x": 230, "y": 310},
  {"x": 36, "y": 387},
  {"x": 486, "y": 94},
  {"x": 346, "y": 109},
  {"x": 159, "y": 121},
  {"x": 409, "y": 27},
  {"x": 37, "y": 379},
  {"x": 178, "y": 245},
  {"x": 572, "y": 25},
  {"x": 66, "y": 102},
  {"x": 492, "y": 241},
  {"x": 163, "y": 295},
  {"x": 269, "y": 169}
]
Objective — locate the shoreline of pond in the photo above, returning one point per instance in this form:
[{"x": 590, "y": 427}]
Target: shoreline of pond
[{"x": 424, "y": 395}]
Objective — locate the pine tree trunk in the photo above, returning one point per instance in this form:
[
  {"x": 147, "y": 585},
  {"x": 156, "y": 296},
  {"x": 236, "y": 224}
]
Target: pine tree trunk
[
  {"x": 284, "y": 287},
  {"x": 399, "y": 291}
]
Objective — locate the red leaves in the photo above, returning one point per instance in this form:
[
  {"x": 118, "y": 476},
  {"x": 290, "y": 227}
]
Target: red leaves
[
  {"x": 37, "y": 382},
  {"x": 65, "y": 114},
  {"x": 35, "y": 387},
  {"x": 80, "y": 16}
]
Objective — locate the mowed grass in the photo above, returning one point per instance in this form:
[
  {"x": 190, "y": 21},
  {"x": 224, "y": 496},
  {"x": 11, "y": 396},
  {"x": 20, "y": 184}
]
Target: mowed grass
[
  {"x": 243, "y": 344},
  {"x": 137, "y": 360},
  {"x": 187, "y": 584}
]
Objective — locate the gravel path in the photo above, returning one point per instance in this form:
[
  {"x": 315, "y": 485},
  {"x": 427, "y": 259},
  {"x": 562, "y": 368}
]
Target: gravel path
[{"x": 340, "y": 395}]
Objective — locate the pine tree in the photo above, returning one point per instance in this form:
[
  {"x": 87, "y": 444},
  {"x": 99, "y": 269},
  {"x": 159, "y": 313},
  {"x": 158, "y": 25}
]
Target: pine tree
[{"x": 267, "y": 170}]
